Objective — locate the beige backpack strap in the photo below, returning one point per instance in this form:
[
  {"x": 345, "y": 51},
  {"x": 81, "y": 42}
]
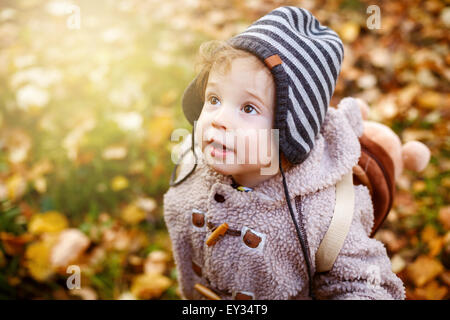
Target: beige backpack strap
[{"x": 340, "y": 224}]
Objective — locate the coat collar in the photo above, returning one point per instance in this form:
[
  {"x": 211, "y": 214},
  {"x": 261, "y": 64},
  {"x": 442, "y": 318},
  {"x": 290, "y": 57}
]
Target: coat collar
[{"x": 336, "y": 151}]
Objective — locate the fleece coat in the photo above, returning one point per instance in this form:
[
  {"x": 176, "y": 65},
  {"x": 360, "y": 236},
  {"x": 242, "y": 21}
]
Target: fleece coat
[{"x": 275, "y": 268}]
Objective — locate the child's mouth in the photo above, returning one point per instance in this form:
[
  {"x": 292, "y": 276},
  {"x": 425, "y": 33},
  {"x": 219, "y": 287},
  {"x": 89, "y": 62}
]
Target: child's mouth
[{"x": 219, "y": 150}]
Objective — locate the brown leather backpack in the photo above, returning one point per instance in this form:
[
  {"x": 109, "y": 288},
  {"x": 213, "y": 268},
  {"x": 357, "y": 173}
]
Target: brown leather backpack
[{"x": 375, "y": 170}]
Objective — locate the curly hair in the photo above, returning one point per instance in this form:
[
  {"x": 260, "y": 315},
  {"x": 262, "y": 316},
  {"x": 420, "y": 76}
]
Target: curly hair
[{"x": 218, "y": 54}]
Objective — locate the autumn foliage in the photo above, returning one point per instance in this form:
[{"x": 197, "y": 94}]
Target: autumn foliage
[{"x": 86, "y": 116}]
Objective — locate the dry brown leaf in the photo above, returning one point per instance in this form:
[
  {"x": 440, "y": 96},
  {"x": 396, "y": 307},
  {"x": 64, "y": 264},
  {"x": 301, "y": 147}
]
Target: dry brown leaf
[
  {"x": 445, "y": 277},
  {"x": 84, "y": 293},
  {"x": 156, "y": 262},
  {"x": 423, "y": 270},
  {"x": 431, "y": 100},
  {"x": 434, "y": 242},
  {"x": 14, "y": 245},
  {"x": 432, "y": 291},
  {"x": 444, "y": 217},
  {"x": 149, "y": 285}
]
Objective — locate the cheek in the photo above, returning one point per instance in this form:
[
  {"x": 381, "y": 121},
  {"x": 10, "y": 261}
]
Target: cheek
[
  {"x": 255, "y": 146},
  {"x": 200, "y": 127}
]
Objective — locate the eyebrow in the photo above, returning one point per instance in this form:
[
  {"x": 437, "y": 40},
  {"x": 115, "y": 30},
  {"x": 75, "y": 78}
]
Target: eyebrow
[{"x": 254, "y": 95}]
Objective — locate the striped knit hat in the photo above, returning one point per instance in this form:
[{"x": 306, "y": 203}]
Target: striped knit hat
[{"x": 305, "y": 60}]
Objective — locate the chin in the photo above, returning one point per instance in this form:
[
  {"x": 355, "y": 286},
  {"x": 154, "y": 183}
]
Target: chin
[{"x": 226, "y": 169}]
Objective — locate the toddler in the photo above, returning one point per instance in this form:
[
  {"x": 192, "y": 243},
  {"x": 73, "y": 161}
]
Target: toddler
[{"x": 246, "y": 224}]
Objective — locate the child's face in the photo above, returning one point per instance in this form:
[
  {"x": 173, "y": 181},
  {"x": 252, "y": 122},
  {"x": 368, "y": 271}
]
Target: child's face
[{"x": 241, "y": 99}]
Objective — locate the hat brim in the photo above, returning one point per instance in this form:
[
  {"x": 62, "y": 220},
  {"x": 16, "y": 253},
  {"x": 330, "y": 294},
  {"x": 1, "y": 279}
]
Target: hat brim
[{"x": 192, "y": 102}]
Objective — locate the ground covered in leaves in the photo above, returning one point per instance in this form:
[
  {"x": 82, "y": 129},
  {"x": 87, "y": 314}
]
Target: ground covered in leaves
[{"x": 86, "y": 115}]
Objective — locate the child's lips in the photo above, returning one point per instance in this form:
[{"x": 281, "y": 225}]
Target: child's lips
[{"x": 219, "y": 150}]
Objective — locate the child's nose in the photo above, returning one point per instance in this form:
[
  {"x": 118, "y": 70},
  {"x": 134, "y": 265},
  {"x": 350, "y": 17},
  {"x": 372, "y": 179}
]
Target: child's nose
[{"x": 222, "y": 119}]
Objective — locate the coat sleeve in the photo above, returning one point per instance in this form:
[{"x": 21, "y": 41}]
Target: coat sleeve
[
  {"x": 181, "y": 245},
  {"x": 362, "y": 269}
]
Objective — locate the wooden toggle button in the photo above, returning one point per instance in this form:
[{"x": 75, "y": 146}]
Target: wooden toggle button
[
  {"x": 208, "y": 293},
  {"x": 214, "y": 237},
  {"x": 242, "y": 296},
  {"x": 251, "y": 239}
]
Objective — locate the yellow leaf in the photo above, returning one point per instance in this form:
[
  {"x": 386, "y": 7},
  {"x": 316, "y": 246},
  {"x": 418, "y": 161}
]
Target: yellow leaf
[
  {"x": 50, "y": 221},
  {"x": 37, "y": 259},
  {"x": 16, "y": 186},
  {"x": 419, "y": 186},
  {"x": 432, "y": 291},
  {"x": 432, "y": 239},
  {"x": 119, "y": 183},
  {"x": 429, "y": 233},
  {"x": 430, "y": 99},
  {"x": 423, "y": 270},
  {"x": 349, "y": 31},
  {"x": 132, "y": 214},
  {"x": 149, "y": 285}
]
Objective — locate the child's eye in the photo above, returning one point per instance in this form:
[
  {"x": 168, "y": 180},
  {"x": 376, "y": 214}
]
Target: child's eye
[
  {"x": 249, "y": 108},
  {"x": 213, "y": 100}
]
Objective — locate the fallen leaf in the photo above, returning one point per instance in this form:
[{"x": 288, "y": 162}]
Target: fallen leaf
[
  {"x": 444, "y": 217},
  {"x": 156, "y": 262},
  {"x": 71, "y": 244},
  {"x": 445, "y": 277},
  {"x": 119, "y": 183},
  {"x": 84, "y": 293},
  {"x": 132, "y": 214},
  {"x": 434, "y": 242},
  {"x": 37, "y": 259},
  {"x": 432, "y": 291},
  {"x": 423, "y": 270},
  {"x": 349, "y": 31},
  {"x": 430, "y": 100},
  {"x": 149, "y": 285},
  {"x": 50, "y": 221},
  {"x": 14, "y": 245},
  {"x": 16, "y": 186}
]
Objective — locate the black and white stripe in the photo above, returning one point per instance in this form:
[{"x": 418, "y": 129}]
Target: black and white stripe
[{"x": 312, "y": 55}]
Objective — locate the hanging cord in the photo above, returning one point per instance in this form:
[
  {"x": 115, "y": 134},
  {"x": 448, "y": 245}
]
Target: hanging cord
[
  {"x": 301, "y": 237},
  {"x": 172, "y": 183}
]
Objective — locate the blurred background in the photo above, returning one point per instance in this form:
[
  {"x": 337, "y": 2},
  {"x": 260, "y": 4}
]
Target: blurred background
[{"x": 90, "y": 92}]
